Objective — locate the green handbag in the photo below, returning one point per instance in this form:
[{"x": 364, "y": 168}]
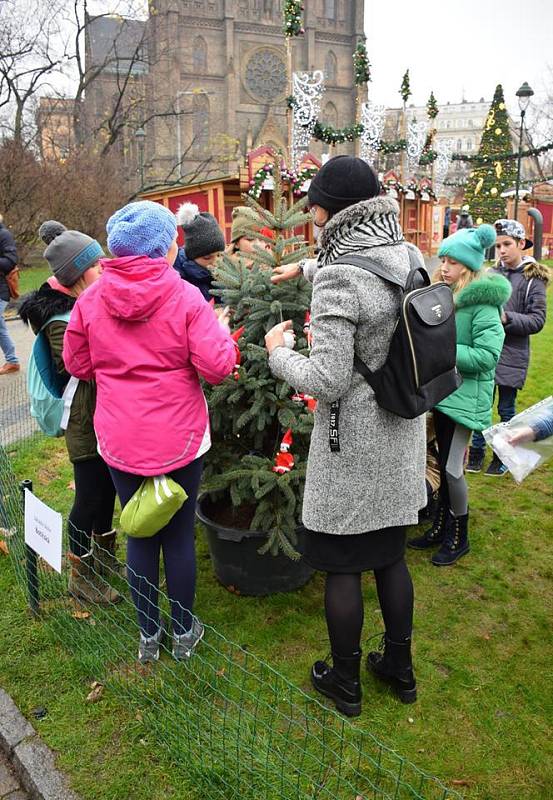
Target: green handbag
[{"x": 152, "y": 506}]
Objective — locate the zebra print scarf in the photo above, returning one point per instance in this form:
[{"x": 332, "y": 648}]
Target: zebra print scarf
[{"x": 372, "y": 223}]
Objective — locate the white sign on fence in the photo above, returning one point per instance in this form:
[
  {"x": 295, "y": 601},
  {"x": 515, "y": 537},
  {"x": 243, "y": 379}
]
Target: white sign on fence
[{"x": 43, "y": 530}]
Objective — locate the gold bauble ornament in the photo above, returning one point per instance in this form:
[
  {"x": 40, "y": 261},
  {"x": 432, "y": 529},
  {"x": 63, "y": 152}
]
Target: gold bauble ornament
[
  {"x": 472, "y": 174},
  {"x": 493, "y": 191},
  {"x": 498, "y": 131},
  {"x": 479, "y": 185},
  {"x": 479, "y": 221},
  {"x": 502, "y": 106}
]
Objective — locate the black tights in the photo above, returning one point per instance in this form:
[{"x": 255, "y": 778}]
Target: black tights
[
  {"x": 344, "y": 606},
  {"x": 93, "y": 506}
]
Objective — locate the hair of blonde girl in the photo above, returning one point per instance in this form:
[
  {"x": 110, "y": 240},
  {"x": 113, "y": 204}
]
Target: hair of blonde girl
[{"x": 466, "y": 277}]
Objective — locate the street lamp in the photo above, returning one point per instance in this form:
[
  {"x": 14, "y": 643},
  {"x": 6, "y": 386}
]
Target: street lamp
[
  {"x": 524, "y": 94},
  {"x": 140, "y": 136}
]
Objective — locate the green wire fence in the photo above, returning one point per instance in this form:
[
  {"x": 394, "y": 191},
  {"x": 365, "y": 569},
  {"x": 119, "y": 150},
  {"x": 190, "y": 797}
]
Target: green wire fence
[{"x": 232, "y": 725}]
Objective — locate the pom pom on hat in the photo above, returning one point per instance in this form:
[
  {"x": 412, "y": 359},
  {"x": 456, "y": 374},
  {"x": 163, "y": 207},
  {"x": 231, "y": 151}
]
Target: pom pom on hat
[
  {"x": 468, "y": 246},
  {"x": 186, "y": 214},
  {"x": 50, "y": 229},
  {"x": 486, "y": 235}
]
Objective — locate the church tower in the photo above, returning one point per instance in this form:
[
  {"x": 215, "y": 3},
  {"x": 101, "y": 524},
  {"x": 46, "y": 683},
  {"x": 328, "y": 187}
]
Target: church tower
[{"x": 225, "y": 64}]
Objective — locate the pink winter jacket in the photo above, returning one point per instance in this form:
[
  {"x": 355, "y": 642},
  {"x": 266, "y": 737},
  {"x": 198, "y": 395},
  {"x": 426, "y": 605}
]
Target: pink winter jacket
[{"x": 145, "y": 336}]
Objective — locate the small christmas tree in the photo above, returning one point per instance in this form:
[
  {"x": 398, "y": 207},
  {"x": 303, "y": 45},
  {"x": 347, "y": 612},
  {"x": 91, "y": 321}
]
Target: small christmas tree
[
  {"x": 405, "y": 89},
  {"x": 487, "y": 181},
  {"x": 260, "y": 427}
]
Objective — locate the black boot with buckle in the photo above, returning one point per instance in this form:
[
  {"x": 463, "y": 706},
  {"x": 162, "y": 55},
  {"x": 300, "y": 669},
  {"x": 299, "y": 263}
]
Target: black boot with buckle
[
  {"x": 456, "y": 543},
  {"x": 340, "y": 682},
  {"x": 434, "y": 535},
  {"x": 392, "y": 664}
]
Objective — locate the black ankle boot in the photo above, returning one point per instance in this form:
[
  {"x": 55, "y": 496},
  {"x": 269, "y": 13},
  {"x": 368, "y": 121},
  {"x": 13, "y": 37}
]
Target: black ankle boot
[
  {"x": 434, "y": 535},
  {"x": 340, "y": 682},
  {"x": 456, "y": 543},
  {"x": 395, "y": 667}
]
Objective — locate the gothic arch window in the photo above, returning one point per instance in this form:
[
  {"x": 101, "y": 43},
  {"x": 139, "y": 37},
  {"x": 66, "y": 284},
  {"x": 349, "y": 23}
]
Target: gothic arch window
[
  {"x": 331, "y": 115},
  {"x": 200, "y": 122},
  {"x": 331, "y": 67},
  {"x": 199, "y": 56},
  {"x": 330, "y": 9}
]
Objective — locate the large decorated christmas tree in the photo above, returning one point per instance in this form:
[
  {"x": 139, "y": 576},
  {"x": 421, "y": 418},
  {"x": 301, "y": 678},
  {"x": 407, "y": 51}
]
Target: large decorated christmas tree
[
  {"x": 489, "y": 179},
  {"x": 260, "y": 426}
]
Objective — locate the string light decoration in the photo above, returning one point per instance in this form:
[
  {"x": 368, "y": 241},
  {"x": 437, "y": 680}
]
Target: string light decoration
[
  {"x": 416, "y": 138},
  {"x": 444, "y": 151},
  {"x": 308, "y": 88},
  {"x": 372, "y": 120}
]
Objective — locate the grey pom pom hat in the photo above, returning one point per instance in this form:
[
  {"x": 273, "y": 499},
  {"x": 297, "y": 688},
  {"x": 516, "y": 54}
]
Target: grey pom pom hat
[{"x": 69, "y": 253}]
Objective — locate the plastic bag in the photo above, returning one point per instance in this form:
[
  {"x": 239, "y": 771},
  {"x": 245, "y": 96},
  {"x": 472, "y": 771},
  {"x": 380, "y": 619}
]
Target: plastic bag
[
  {"x": 526, "y": 442},
  {"x": 152, "y": 506}
]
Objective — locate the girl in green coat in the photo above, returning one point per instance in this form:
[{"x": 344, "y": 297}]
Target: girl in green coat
[{"x": 478, "y": 303}]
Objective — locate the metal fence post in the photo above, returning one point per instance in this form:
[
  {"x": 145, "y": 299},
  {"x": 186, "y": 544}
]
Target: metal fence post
[{"x": 31, "y": 569}]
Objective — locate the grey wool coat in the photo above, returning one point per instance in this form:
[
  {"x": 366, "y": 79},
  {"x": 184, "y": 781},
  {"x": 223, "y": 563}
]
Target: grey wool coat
[{"x": 377, "y": 479}]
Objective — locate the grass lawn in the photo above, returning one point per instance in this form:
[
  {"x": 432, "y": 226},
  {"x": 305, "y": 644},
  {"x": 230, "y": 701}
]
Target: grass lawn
[{"x": 483, "y": 650}]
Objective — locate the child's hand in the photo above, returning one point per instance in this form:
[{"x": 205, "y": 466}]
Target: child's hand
[{"x": 223, "y": 315}]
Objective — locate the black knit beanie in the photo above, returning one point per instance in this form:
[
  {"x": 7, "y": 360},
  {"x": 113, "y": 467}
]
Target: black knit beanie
[{"x": 342, "y": 182}]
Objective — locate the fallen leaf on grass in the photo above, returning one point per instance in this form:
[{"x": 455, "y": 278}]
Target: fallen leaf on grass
[
  {"x": 80, "y": 614},
  {"x": 4, "y": 547},
  {"x": 71, "y": 485},
  {"x": 461, "y": 783},
  {"x": 220, "y": 673},
  {"x": 410, "y": 720},
  {"x": 7, "y": 533},
  {"x": 96, "y": 693}
]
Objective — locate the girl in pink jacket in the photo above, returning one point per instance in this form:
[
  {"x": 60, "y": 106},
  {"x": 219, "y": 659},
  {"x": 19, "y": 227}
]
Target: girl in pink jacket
[{"x": 146, "y": 337}]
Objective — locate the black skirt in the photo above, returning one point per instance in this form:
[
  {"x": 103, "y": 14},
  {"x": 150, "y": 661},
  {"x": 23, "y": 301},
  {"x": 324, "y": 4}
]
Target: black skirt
[{"x": 353, "y": 553}]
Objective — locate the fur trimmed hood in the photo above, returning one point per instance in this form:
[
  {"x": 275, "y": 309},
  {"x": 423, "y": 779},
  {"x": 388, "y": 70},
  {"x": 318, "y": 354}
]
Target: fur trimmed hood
[
  {"x": 535, "y": 270},
  {"x": 489, "y": 290},
  {"x": 36, "y": 308}
]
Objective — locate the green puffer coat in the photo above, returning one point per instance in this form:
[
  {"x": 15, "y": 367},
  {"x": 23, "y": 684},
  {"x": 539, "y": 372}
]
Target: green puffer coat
[{"x": 480, "y": 338}]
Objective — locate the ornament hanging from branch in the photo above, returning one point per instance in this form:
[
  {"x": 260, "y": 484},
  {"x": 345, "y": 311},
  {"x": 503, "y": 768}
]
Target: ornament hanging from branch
[
  {"x": 416, "y": 138},
  {"x": 444, "y": 149},
  {"x": 292, "y": 18},
  {"x": 308, "y": 88},
  {"x": 372, "y": 120}
]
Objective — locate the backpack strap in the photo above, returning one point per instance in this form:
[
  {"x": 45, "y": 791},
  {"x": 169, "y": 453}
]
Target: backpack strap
[
  {"x": 57, "y": 318},
  {"x": 369, "y": 266}
]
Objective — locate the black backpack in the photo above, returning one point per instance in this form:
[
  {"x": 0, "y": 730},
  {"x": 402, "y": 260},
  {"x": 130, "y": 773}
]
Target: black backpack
[{"x": 420, "y": 369}]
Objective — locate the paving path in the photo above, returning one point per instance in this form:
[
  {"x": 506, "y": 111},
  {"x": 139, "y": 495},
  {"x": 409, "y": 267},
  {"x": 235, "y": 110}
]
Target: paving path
[
  {"x": 10, "y": 788},
  {"x": 15, "y": 419}
]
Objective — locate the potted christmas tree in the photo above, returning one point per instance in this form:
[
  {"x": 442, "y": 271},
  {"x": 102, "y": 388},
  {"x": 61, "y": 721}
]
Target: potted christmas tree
[{"x": 255, "y": 470}]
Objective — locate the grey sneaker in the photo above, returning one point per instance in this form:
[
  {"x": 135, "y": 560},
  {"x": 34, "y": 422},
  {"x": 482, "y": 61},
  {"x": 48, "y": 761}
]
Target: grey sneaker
[
  {"x": 148, "y": 649},
  {"x": 184, "y": 644}
]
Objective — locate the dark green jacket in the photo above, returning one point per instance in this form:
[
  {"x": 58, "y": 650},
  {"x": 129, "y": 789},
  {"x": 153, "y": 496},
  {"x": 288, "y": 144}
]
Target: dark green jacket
[
  {"x": 480, "y": 337},
  {"x": 36, "y": 309}
]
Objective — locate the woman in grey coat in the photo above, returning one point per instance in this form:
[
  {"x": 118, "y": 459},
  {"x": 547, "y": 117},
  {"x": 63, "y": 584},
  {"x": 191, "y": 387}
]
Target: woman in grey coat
[{"x": 366, "y": 469}]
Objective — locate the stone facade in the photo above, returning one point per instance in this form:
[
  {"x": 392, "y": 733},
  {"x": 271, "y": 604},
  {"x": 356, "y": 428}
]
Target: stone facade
[{"x": 216, "y": 83}]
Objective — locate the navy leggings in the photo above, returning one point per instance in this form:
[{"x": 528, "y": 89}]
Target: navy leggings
[{"x": 179, "y": 556}]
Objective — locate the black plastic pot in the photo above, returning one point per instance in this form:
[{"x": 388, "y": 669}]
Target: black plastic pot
[{"x": 239, "y": 566}]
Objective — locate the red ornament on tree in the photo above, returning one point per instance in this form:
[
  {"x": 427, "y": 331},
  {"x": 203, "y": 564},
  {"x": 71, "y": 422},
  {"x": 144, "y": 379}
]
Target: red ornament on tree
[
  {"x": 235, "y": 337},
  {"x": 284, "y": 460}
]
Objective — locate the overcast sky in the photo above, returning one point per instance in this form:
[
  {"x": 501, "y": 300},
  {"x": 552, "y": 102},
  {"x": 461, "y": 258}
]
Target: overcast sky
[{"x": 455, "y": 46}]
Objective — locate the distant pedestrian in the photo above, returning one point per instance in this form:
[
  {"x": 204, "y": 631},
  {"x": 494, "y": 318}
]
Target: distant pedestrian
[
  {"x": 447, "y": 222},
  {"x": 8, "y": 260},
  {"x": 464, "y": 220}
]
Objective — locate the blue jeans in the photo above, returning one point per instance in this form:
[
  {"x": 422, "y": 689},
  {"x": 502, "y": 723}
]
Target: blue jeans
[
  {"x": 6, "y": 343},
  {"x": 506, "y": 406}
]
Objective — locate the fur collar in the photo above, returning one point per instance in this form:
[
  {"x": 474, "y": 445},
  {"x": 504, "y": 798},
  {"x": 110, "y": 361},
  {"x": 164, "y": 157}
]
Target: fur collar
[
  {"x": 36, "y": 308},
  {"x": 534, "y": 270},
  {"x": 489, "y": 290}
]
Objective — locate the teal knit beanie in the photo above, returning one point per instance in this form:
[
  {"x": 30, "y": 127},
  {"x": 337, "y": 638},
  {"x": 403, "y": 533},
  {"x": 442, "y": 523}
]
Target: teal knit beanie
[{"x": 468, "y": 246}]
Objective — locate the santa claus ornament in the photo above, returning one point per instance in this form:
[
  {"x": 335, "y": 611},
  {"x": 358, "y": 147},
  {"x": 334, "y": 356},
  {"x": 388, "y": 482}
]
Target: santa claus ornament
[{"x": 284, "y": 460}]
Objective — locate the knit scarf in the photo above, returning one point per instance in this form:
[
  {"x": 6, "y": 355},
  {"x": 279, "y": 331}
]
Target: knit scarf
[{"x": 372, "y": 223}]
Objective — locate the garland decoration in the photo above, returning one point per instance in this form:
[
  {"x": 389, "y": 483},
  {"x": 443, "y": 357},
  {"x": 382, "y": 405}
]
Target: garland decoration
[
  {"x": 294, "y": 178},
  {"x": 292, "y": 18},
  {"x": 361, "y": 63},
  {"x": 330, "y": 135}
]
